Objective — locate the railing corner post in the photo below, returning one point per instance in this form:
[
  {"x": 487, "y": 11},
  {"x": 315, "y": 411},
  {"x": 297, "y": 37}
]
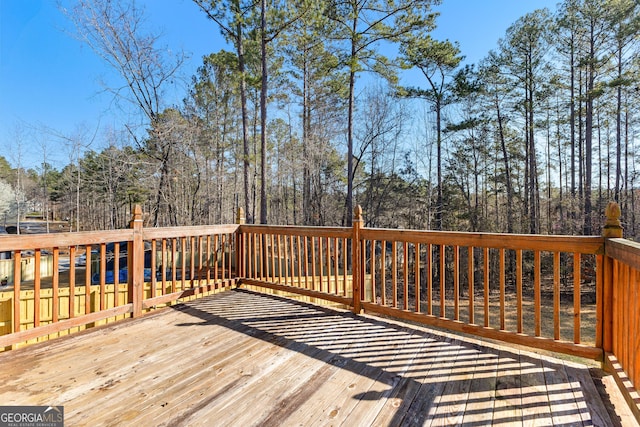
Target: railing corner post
[
  {"x": 135, "y": 262},
  {"x": 612, "y": 229},
  {"x": 356, "y": 260}
]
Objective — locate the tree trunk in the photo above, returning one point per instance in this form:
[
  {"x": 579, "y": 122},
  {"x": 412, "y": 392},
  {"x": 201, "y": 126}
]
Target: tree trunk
[{"x": 263, "y": 113}]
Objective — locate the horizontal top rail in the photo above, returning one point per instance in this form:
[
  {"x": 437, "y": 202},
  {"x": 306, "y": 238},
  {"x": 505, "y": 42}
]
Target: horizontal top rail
[
  {"x": 340, "y": 232},
  {"x": 578, "y": 244},
  {"x": 624, "y": 251},
  {"x": 14, "y": 242},
  {"x": 196, "y": 230}
]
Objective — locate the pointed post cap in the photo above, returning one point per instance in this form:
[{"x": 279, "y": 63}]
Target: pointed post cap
[
  {"x": 612, "y": 226},
  {"x": 357, "y": 213}
]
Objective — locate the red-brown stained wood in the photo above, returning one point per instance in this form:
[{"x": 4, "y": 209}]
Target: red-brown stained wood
[
  {"x": 519, "y": 290},
  {"x": 72, "y": 282},
  {"x": 470, "y": 283},
  {"x": 209, "y": 267},
  {"x": 429, "y": 273},
  {"x": 55, "y": 305},
  {"x": 486, "y": 285},
  {"x": 174, "y": 262},
  {"x": 405, "y": 275},
  {"x": 16, "y": 291},
  {"x": 502, "y": 288},
  {"x": 417, "y": 277},
  {"x": 536, "y": 293},
  {"x": 456, "y": 282},
  {"x": 556, "y": 295},
  {"x": 394, "y": 272},
  {"x": 372, "y": 269},
  {"x": 87, "y": 281},
  {"x": 312, "y": 243},
  {"x": 577, "y": 295},
  {"x": 443, "y": 299},
  {"x": 36, "y": 289}
]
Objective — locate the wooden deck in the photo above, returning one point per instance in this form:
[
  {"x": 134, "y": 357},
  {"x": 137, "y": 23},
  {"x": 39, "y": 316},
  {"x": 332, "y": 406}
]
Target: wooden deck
[{"x": 239, "y": 358}]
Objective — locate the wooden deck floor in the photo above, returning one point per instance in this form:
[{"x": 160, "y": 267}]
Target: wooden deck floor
[{"x": 240, "y": 359}]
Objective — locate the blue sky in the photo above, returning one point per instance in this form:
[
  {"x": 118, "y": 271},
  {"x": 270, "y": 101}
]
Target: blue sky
[{"x": 50, "y": 80}]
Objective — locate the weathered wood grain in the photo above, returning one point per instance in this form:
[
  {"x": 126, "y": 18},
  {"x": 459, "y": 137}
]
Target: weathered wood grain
[{"x": 240, "y": 358}]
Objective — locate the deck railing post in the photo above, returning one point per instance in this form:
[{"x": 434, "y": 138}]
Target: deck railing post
[
  {"x": 612, "y": 229},
  {"x": 240, "y": 249},
  {"x": 356, "y": 261},
  {"x": 135, "y": 263}
]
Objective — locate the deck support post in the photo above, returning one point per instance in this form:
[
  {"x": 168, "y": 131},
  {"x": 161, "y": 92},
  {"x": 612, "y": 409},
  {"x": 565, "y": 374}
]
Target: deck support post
[
  {"x": 356, "y": 256},
  {"x": 612, "y": 229},
  {"x": 135, "y": 263}
]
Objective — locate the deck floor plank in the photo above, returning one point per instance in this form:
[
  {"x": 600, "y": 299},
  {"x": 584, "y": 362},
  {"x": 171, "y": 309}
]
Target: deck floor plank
[{"x": 240, "y": 358}]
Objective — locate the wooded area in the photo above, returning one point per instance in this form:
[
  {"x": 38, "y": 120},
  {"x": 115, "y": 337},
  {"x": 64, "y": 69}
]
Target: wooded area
[{"x": 535, "y": 138}]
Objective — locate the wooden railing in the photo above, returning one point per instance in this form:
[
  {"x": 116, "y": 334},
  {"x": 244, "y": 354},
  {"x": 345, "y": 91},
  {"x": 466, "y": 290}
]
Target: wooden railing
[
  {"x": 621, "y": 309},
  {"x": 522, "y": 289},
  {"x": 127, "y": 273},
  {"x": 576, "y": 295}
]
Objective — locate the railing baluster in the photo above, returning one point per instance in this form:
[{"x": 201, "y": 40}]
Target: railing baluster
[
  {"x": 502, "y": 288},
  {"x": 72, "y": 281},
  {"x": 288, "y": 255},
  {"x": 537, "y": 314},
  {"x": 299, "y": 255},
  {"x": 306, "y": 262},
  {"x": 320, "y": 263},
  {"x": 443, "y": 309},
  {"x": 328, "y": 260},
  {"x": 273, "y": 257},
  {"x": 230, "y": 256},
  {"x": 345, "y": 249},
  {"x": 486, "y": 286},
  {"x": 556, "y": 295},
  {"x": 185, "y": 252},
  {"x": 429, "y": 274},
  {"x": 87, "y": 284},
  {"x": 36, "y": 288},
  {"x": 216, "y": 259},
  {"x": 103, "y": 274},
  {"x": 624, "y": 309},
  {"x": 174, "y": 265},
  {"x": 577, "y": 294},
  {"x": 336, "y": 272},
  {"x": 226, "y": 273},
  {"x": 55, "y": 286},
  {"x": 456, "y": 282},
  {"x": 394, "y": 272},
  {"x": 383, "y": 272},
  {"x": 292, "y": 261},
  {"x": 313, "y": 264},
  {"x": 153, "y": 268},
  {"x": 196, "y": 262},
  {"x": 372, "y": 267},
  {"x": 279, "y": 258},
  {"x": 417, "y": 276},
  {"x": 519, "y": 290},
  {"x": 17, "y": 311},
  {"x": 208, "y": 263},
  {"x": 405, "y": 275},
  {"x": 116, "y": 264},
  {"x": 471, "y": 269}
]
